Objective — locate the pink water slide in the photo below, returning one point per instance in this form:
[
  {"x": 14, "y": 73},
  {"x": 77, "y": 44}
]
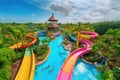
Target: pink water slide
[{"x": 68, "y": 66}]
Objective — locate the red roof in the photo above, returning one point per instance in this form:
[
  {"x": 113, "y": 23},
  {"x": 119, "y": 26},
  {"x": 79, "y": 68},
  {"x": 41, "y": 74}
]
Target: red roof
[
  {"x": 52, "y": 25},
  {"x": 52, "y": 18}
]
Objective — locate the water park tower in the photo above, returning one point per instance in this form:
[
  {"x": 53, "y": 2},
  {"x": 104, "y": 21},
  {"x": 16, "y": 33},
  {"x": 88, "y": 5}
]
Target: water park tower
[{"x": 52, "y": 22}]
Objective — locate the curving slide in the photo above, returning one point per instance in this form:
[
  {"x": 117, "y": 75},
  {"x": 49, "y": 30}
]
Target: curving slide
[
  {"x": 26, "y": 70},
  {"x": 34, "y": 40},
  {"x": 18, "y": 45},
  {"x": 68, "y": 66},
  {"x": 42, "y": 33}
]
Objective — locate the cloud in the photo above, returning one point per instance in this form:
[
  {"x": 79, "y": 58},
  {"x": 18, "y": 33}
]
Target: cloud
[
  {"x": 58, "y": 8},
  {"x": 33, "y": 14},
  {"x": 82, "y": 10}
]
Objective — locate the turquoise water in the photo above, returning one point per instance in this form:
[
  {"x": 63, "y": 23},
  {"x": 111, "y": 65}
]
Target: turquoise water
[
  {"x": 49, "y": 70},
  {"x": 84, "y": 71}
]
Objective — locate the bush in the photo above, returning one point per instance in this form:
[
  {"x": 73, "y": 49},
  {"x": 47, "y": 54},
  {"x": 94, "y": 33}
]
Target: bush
[
  {"x": 42, "y": 52},
  {"x": 102, "y": 27},
  {"x": 7, "y": 56},
  {"x": 5, "y": 72}
]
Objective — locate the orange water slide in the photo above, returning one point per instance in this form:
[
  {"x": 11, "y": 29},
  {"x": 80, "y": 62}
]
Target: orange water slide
[
  {"x": 31, "y": 43},
  {"x": 20, "y": 45}
]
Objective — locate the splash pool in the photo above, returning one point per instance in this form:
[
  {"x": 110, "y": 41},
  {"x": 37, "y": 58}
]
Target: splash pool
[{"x": 50, "y": 69}]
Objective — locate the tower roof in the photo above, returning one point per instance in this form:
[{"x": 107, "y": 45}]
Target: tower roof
[{"x": 52, "y": 18}]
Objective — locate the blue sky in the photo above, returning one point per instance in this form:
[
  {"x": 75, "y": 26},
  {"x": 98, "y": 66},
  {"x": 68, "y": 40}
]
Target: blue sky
[
  {"x": 21, "y": 11},
  {"x": 68, "y": 11}
]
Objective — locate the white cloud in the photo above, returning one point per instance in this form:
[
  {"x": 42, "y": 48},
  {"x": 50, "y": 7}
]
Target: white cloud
[
  {"x": 83, "y": 10},
  {"x": 33, "y": 14}
]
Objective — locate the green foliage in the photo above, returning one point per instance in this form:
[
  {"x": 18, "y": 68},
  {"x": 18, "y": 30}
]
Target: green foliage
[
  {"x": 41, "y": 52},
  {"x": 107, "y": 45},
  {"x": 7, "y": 56},
  {"x": 102, "y": 27},
  {"x": 5, "y": 72},
  {"x": 116, "y": 73},
  {"x": 74, "y": 28},
  {"x": 11, "y": 33},
  {"x": 107, "y": 75},
  {"x": 45, "y": 42}
]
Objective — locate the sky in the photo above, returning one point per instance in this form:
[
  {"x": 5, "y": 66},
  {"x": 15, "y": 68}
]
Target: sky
[{"x": 65, "y": 11}]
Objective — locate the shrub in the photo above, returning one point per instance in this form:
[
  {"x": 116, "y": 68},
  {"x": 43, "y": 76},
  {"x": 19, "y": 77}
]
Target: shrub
[
  {"x": 7, "y": 56},
  {"x": 42, "y": 52}
]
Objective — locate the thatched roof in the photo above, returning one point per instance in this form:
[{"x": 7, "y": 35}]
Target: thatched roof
[{"x": 52, "y": 18}]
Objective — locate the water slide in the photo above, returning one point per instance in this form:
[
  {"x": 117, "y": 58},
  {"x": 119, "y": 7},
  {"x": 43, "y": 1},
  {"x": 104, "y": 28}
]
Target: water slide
[
  {"x": 34, "y": 40},
  {"x": 19, "y": 45},
  {"x": 42, "y": 33},
  {"x": 68, "y": 66},
  {"x": 57, "y": 34},
  {"x": 26, "y": 70}
]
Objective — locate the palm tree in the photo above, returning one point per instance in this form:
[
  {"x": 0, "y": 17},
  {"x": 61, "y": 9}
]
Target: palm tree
[{"x": 45, "y": 42}]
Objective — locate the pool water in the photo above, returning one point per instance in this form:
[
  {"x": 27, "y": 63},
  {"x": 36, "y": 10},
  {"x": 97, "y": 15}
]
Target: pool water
[
  {"x": 50, "y": 69},
  {"x": 84, "y": 71}
]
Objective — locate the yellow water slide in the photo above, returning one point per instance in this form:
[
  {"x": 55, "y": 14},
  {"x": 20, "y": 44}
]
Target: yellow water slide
[
  {"x": 26, "y": 71},
  {"x": 18, "y": 45}
]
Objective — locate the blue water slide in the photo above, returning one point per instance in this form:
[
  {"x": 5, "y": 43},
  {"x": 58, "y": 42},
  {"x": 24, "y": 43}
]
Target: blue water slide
[
  {"x": 72, "y": 38},
  {"x": 42, "y": 33}
]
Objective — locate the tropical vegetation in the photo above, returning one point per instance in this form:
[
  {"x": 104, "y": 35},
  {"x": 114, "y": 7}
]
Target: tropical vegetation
[{"x": 105, "y": 51}]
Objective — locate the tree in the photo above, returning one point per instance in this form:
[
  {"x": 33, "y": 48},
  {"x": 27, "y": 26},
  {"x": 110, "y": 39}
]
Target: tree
[
  {"x": 45, "y": 42},
  {"x": 7, "y": 56},
  {"x": 102, "y": 27}
]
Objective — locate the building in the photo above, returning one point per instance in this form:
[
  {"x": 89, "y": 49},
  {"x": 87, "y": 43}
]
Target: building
[{"x": 52, "y": 22}]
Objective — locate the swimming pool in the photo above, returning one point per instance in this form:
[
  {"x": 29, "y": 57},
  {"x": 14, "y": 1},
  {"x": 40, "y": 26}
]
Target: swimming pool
[
  {"x": 50, "y": 69},
  {"x": 84, "y": 71}
]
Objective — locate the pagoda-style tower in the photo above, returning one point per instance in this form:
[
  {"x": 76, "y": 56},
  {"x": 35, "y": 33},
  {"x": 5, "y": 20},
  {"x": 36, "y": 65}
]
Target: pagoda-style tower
[{"x": 52, "y": 22}]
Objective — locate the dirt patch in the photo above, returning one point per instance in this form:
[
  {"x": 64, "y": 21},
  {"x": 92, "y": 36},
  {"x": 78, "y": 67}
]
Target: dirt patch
[
  {"x": 36, "y": 59},
  {"x": 15, "y": 68}
]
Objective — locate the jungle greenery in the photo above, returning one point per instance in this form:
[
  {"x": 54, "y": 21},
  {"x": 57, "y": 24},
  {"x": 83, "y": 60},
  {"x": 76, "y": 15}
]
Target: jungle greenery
[
  {"x": 42, "y": 50},
  {"x": 106, "y": 47},
  {"x": 12, "y": 33},
  {"x": 7, "y": 58}
]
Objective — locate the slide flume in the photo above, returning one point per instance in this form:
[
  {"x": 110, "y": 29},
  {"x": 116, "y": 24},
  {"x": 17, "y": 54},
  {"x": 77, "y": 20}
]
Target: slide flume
[
  {"x": 26, "y": 70},
  {"x": 68, "y": 66}
]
